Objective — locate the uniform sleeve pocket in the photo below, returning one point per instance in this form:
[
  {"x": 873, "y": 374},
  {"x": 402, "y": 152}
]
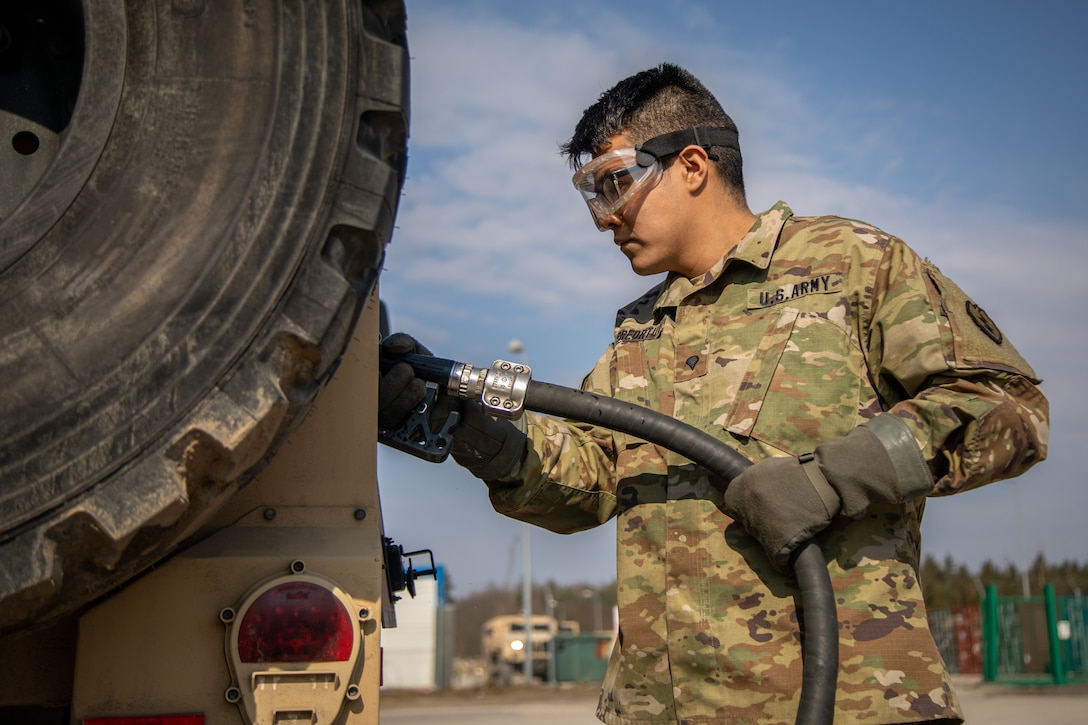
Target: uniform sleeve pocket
[{"x": 977, "y": 340}]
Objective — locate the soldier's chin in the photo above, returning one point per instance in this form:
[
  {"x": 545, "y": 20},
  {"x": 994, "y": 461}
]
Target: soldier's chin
[{"x": 643, "y": 267}]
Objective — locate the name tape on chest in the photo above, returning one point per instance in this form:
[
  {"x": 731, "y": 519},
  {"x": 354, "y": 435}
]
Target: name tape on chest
[
  {"x": 816, "y": 285},
  {"x": 640, "y": 334}
]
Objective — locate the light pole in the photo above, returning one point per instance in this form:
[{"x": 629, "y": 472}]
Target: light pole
[
  {"x": 517, "y": 348},
  {"x": 549, "y": 604},
  {"x": 596, "y": 596}
]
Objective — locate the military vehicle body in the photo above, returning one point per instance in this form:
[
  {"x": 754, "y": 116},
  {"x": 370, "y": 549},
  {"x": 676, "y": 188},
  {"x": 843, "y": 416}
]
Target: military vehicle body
[
  {"x": 195, "y": 199},
  {"x": 503, "y": 644}
]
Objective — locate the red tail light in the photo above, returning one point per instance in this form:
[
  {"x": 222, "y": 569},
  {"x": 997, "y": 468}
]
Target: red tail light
[
  {"x": 295, "y": 648},
  {"x": 296, "y": 622}
]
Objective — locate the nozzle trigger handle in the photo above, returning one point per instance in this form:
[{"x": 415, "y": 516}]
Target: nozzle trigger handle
[{"x": 416, "y": 434}]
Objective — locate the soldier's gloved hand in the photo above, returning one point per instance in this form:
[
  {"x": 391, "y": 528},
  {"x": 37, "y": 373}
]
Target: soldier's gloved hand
[
  {"x": 399, "y": 390},
  {"x": 783, "y": 502},
  {"x": 488, "y": 447}
]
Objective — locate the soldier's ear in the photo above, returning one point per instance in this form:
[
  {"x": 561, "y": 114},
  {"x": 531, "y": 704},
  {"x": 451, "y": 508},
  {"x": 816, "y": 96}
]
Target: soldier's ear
[{"x": 694, "y": 165}]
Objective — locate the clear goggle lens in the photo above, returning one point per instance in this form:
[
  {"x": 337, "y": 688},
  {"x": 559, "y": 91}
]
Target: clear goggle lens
[{"x": 612, "y": 180}]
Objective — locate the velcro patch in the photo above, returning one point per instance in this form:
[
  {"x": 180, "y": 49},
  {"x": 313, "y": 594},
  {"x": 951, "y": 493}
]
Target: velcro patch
[
  {"x": 640, "y": 334},
  {"x": 978, "y": 340}
]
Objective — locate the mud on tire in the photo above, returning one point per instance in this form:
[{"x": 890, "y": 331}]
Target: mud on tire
[{"x": 181, "y": 272}]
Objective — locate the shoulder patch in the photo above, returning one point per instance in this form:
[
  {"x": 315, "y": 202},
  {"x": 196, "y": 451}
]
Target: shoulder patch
[
  {"x": 983, "y": 322},
  {"x": 979, "y": 342}
]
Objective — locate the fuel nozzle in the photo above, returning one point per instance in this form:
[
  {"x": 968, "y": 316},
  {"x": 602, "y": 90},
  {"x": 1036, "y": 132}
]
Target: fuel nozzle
[
  {"x": 426, "y": 433},
  {"x": 500, "y": 389}
]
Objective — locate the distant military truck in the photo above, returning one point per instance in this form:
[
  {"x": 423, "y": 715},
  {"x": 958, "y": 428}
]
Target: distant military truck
[{"x": 504, "y": 644}]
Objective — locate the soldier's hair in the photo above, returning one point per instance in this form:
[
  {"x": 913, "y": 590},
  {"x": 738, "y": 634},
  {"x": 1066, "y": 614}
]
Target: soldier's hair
[{"x": 649, "y": 103}]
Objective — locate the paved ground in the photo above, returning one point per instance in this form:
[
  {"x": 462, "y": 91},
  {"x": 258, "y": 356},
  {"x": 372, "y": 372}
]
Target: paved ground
[
  {"x": 573, "y": 705},
  {"x": 986, "y": 704},
  {"x": 568, "y": 704}
]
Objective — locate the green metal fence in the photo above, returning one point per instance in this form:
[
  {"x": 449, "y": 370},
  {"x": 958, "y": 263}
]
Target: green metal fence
[
  {"x": 958, "y": 634},
  {"x": 943, "y": 627},
  {"x": 1074, "y": 611},
  {"x": 1034, "y": 640}
]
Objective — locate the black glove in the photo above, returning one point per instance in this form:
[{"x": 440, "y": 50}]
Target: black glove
[
  {"x": 399, "y": 390},
  {"x": 783, "y": 502},
  {"x": 490, "y": 448}
]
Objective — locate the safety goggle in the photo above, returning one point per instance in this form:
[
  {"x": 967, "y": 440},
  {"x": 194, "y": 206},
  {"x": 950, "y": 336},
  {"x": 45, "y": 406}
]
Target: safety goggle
[{"x": 611, "y": 181}]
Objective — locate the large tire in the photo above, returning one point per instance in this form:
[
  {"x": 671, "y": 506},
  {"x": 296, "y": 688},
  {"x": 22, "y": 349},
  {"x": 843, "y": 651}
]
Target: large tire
[{"x": 183, "y": 277}]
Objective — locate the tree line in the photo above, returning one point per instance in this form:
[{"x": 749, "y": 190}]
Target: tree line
[
  {"x": 948, "y": 584},
  {"x": 945, "y": 584}
]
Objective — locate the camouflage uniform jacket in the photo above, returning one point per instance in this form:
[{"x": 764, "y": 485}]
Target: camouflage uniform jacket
[{"x": 810, "y": 326}]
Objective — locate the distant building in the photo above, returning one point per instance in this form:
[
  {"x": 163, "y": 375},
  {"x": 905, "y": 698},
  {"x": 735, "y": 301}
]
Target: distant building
[{"x": 418, "y": 652}]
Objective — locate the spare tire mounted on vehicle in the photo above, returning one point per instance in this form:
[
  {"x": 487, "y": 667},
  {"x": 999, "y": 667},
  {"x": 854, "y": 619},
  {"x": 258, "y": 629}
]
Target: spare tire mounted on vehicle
[{"x": 182, "y": 261}]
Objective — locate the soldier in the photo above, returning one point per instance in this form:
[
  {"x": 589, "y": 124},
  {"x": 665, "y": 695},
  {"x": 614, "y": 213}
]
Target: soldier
[{"x": 857, "y": 378}]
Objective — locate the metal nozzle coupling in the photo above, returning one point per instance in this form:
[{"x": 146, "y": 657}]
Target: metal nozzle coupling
[{"x": 500, "y": 388}]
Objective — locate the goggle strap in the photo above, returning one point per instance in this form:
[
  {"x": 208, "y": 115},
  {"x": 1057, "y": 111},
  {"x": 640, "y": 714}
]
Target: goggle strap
[{"x": 673, "y": 143}]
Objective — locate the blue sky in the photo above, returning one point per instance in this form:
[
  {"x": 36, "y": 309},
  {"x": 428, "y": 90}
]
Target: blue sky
[{"x": 954, "y": 125}]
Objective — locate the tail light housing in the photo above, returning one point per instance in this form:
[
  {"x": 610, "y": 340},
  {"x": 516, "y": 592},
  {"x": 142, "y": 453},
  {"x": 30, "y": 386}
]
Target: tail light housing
[
  {"x": 294, "y": 645},
  {"x": 295, "y": 621}
]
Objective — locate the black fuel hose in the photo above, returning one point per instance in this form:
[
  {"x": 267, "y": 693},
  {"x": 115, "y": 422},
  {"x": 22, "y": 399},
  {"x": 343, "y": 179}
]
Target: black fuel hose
[
  {"x": 820, "y": 627},
  {"x": 817, "y": 616}
]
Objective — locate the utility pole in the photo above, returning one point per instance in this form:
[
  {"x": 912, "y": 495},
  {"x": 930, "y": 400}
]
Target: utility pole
[
  {"x": 518, "y": 348},
  {"x": 549, "y": 605},
  {"x": 527, "y": 598},
  {"x": 596, "y": 597}
]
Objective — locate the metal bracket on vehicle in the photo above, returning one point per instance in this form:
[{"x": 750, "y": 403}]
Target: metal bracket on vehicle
[{"x": 400, "y": 577}]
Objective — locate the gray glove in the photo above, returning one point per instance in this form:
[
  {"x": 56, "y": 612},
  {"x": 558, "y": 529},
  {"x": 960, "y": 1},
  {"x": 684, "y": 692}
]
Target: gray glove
[
  {"x": 783, "y": 502},
  {"x": 490, "y": 448}
]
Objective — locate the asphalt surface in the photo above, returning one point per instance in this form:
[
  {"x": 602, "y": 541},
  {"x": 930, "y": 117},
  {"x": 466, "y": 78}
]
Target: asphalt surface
[
  {"x": 537, "y": 705},
  {"x": 983, "y": 704}
]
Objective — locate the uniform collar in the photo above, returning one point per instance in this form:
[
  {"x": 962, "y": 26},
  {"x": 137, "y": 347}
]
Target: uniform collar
[{"x": 755, "y": 248}]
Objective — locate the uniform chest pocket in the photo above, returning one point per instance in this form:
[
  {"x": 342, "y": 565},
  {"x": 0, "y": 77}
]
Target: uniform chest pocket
[
  {"x": 640, "y": 466},
  {"x": 802, "y": 382}
]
